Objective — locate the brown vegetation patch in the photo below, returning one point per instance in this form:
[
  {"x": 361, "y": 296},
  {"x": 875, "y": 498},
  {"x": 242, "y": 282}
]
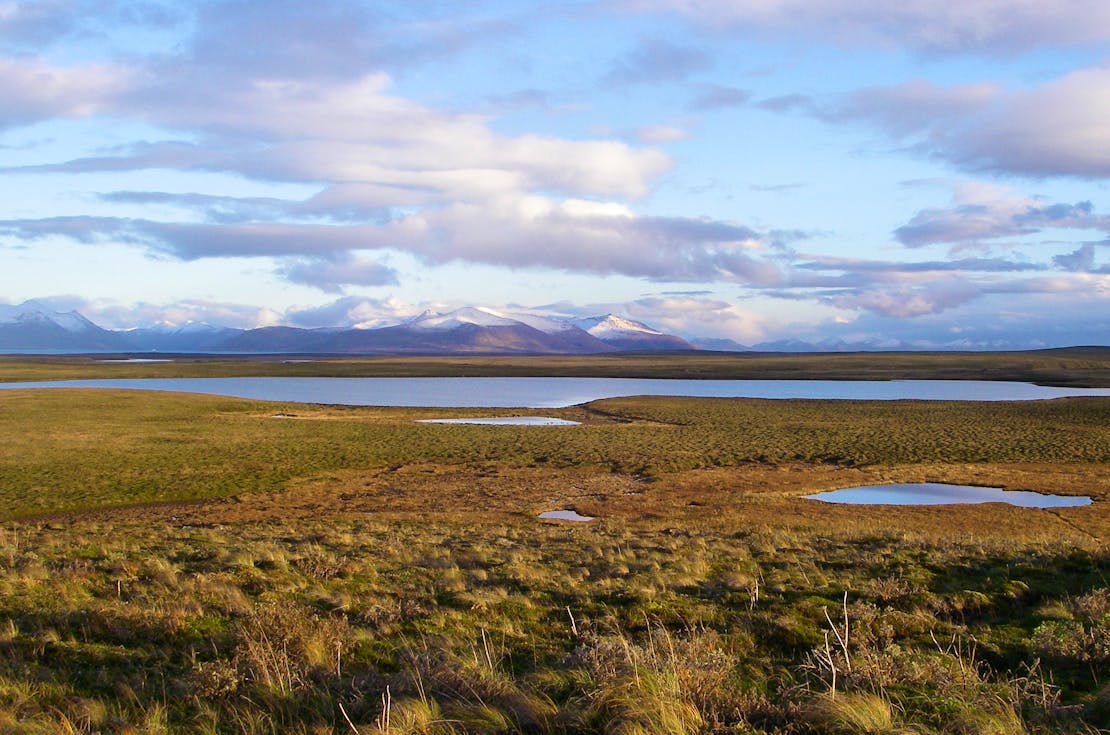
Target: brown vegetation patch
[{"x": 723, "y": 499}]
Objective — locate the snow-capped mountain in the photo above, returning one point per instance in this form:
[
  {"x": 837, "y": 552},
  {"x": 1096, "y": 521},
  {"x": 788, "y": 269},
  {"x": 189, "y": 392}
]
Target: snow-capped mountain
[
  {"x": 626, "y": 334},
  {"x": 33, "y": 326},
  {"x": 477, "y": 316},
  {"x": 30, "y": 327},
  {"x": 187, "y": 337}
]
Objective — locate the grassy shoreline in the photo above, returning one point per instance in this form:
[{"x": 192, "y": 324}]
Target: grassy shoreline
[{"x": 1070, "y": 367}]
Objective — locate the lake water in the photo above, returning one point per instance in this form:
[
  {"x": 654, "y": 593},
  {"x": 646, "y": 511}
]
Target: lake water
[
  {"x": 562, "y": 392},
  {"x": 934, "y": 493},
  {"x": 504, "y": 421}
]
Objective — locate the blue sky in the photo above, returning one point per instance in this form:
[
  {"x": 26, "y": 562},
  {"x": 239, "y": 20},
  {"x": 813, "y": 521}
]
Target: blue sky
[{"x": 924, "y": 171}]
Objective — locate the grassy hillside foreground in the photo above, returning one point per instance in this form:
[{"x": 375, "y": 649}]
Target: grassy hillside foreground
[{"x": 191, "y": 564}]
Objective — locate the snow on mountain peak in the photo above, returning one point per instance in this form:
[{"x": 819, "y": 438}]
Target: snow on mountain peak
[
  {"x": 611, "y": 325},
  {"x": 479, "y": 316},
  {"x": 34, "y": 311}
]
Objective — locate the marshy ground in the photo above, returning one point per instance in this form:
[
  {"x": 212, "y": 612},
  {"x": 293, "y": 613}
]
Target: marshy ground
[{"x": 190, "y": 564}]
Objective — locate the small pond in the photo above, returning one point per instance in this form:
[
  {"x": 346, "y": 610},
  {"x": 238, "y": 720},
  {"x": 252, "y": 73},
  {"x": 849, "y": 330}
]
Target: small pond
[
  {"x": 139, "y": 360},
  {"x": 565, "y": 515},
  {"x": 935, "y": 493},
  {"x": 504, "y": 421}
]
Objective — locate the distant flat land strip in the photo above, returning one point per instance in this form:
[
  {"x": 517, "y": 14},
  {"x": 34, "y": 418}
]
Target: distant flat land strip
[{"x": 1068, "y": 367}]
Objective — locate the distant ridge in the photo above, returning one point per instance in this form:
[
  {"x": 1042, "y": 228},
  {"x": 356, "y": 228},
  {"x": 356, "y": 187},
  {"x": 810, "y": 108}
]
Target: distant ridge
[
  {"x": 34, "y": 327},
  {"x": 626, "y": 334},
  {"x": 31, "y": 327}
]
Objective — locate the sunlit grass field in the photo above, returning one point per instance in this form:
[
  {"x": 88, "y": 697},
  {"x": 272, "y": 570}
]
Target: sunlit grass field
[
  {"x": 82, "y": 449},
  {"x": 192, "y": 564},
  {"x": 1073, "y": 366}
]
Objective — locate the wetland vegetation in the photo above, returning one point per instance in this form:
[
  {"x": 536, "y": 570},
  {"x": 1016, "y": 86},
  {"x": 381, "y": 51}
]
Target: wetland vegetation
[{"x": 187, "y": 564}]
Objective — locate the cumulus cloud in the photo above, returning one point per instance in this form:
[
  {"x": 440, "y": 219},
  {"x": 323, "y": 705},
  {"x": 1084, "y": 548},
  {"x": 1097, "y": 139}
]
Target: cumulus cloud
[
  {"x": 1054, "y": 129},
  {"x": 992, "y": 321},
  {"x": 356, "y": 132},
  {"x": 331, "y": 274},
  {"x": 112, "y": 314},
  {"x": 35, "y": 90},
  {"x": 973, "y": 221},
  {"x": 1082, "y": 260},
  {"x": 352, "y": 311},
  {"x": 699, "y": 317},
  {"x": 996, "y": 26},
  {"x": 573, "y": 235},
  {"x": 908, "y": 301},
  {"x": 939, "y": 294}
]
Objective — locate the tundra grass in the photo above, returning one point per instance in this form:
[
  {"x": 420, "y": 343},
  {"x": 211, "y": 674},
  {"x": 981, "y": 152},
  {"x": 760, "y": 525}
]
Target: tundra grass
[
  {"x": 368, "y": 626},
  {"x": 85, "y": 449},
  {"x": 1076, "y": 366},
  {"x": 314, "y": 569}
]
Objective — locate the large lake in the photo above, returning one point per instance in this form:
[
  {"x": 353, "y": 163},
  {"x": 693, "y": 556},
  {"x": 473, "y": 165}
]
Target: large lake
[{"x": 560, "y": 392}]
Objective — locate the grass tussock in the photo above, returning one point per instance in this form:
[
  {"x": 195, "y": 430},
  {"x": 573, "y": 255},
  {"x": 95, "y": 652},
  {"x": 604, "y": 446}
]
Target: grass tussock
[{"x": 535, "y": 645}]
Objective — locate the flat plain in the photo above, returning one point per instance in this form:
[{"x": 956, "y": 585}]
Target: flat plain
[{"x": 177, "y": 563}]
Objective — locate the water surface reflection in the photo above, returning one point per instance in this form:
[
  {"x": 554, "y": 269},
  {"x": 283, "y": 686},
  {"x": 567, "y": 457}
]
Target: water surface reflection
[{"x": 936, "y": 493}]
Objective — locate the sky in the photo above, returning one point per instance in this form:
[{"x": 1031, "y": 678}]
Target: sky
[{"x": 924, "y": 172}]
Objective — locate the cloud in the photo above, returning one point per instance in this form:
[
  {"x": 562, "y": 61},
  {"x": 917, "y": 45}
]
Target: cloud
[
  {"x": 1055, "y": 129},
  {"x": 698, "y": 317},
  {"x": 656, "y": 61},
  {"x": 887, "y": 268},
  {"x": 112, "y": 314},
  {"x": 35, "y": 24},
  {"x": 356, "y": 132},
  {"x": 661, "y": 134},
  {"x": 331, "y": 274},
  {"x": 352, "y": 311},
  {"x": 990, "y": 219},
  {"x": 1082, "y": 260},
  {"x": 992, "y": 26},
  {"x": 718, "y": 97},
  {"x": 529, "y": 232},
  {"x": 35, "y": 90},
  {"x": 991, "y": 322},
  {"x": 689, "y": 314},
  {"x": 908, "y": 301},
  {"x": 936, "y": 295},
  {"x": 343, "y": 203}
]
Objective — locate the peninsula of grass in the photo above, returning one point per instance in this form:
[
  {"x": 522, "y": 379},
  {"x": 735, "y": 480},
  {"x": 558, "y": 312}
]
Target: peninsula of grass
[
  {"x": 1070, "y": 367},
  {"x": 198, "y": 565}
]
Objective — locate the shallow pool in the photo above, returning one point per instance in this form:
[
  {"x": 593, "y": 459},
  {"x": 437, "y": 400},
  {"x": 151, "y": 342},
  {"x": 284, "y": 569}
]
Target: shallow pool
[
  {"x": 936, "y": 493},
  {"x": 504, "y": 421},
  {"x": 565, "y": 515}
]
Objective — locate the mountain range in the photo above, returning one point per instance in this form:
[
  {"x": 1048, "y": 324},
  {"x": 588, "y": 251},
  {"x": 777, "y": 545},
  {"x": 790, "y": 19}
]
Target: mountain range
[{"x": 32, "y": 327}]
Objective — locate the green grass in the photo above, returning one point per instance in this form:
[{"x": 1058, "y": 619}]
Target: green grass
[
  {"x": 356, "y": 572},
  {"x": 541, "y": 628},
  {"x": 1079, "y": 366},
  {"x": 75, "y": 450}
]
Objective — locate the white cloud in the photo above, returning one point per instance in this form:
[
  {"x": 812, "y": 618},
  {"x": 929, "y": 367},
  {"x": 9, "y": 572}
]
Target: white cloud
[
  {"x": 699, "y": 317},
  {"x": 34, "y": 90},
  {"x": 999, "y": 26},
  {"x": 982, "y": 215},
  {"x": 1055, "y": 129},
  {"x": 574, "y": 235},
  {"x": 331, "y": 274},
  {"x": 661, "y": 134}
]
